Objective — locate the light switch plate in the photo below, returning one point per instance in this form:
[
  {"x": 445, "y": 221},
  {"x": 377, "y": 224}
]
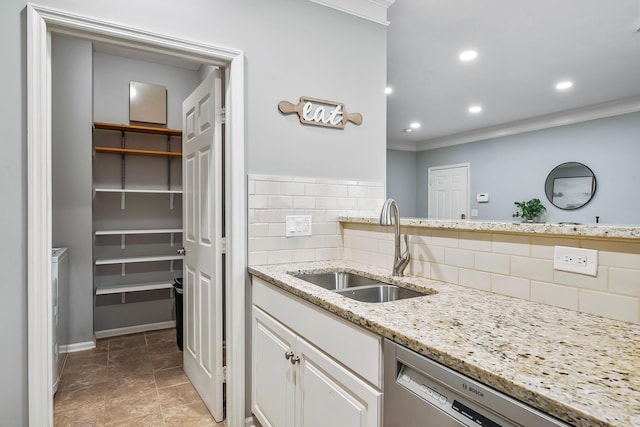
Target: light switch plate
[
  {"x": 575, "y": 260},
  {"x": 297, "y": 225}
]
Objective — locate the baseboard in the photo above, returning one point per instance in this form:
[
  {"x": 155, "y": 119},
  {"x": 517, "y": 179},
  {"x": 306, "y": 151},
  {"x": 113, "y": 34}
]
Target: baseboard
[
  {"x": 135, "y": 329},
  {"x": 79, "y": 346},
  {"x": 251, "y": 422}
]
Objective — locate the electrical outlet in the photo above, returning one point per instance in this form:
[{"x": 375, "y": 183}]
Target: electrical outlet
[
  {"x": 575, "y": 260},
  {"x": 297, "y": 225}
]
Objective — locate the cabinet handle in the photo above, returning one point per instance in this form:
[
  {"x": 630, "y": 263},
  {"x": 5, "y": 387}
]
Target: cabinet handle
[
  {"x": 295, "y": 360},
  {"x": 288, "y": 355}
]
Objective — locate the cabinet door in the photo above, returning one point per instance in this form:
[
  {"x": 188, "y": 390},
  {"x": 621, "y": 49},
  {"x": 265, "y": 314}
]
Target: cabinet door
[
  {"x": 330, "y": 395},
  {"x": 273, "y": 375}
]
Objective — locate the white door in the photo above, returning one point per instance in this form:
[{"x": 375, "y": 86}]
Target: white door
[
  {"x": 330, "y": 395},
  {"x": 202, "y": 211},
  {"x": 449, "y": 192}
]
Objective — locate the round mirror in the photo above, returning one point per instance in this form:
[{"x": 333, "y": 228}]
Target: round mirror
[{"x": 570, "y": 185}]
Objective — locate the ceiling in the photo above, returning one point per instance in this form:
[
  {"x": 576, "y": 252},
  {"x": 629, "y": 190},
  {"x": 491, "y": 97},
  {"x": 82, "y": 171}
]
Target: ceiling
[{"x": 524, "y": 49}]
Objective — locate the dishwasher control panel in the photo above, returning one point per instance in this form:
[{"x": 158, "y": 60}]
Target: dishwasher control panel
[{"x": 446, "y": 400}]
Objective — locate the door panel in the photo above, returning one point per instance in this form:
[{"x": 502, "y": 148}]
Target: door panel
[
  {"x": 449, "y": 192},
  {"x": 330, "y": 395},
  {"x": 202, "y": 209},
  {"x": 272, "y": 374}
]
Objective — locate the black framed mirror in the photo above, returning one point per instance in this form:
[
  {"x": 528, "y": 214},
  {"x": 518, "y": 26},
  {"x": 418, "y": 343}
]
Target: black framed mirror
[{"x": 570, "y": 185}]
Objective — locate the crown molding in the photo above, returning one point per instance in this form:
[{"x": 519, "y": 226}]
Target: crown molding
[
  {"x": 372, "y": 10},
  {"x": 402, "y": 146},
  {"x": 597, "y": 111}
]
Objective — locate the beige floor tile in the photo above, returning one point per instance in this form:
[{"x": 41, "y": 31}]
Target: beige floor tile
[
  {"x": 192, "y": 415},
  {"x": 178, "y": 395},
  {"x": 163, "y": 347},
  {"x": 86, "y": 363},
  {"x": 102, "y": 346},
  {"x": 78, "y": 397},
  {"x": 124, "y": 368},
  {"x": 82, "y": 378},
  {"x": 127, "y": 341},
  {"x": 85, "y": 416},
  {"x": 130, "y": 385},
  {"x": 127, "y": 406},
  {"x": 165, "y": 361},
  {"x": 170, "y": 377},
  {"x": 153, "y": 420},
  {"x": 128, "y": 354},
  {"x": 165, "y": 335}
]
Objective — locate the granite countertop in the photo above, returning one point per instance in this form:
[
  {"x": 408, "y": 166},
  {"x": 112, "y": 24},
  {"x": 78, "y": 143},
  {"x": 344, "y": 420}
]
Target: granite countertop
[
  {"x": 597, "y": 231},
  {"x": 580, "y": 368}
]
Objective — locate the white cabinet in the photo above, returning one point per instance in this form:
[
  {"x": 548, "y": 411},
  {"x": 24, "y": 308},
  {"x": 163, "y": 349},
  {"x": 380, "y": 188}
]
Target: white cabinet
[{"x": 295, "y": 382}]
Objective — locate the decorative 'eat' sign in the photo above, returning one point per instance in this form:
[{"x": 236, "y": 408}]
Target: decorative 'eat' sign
[{"x": 319, "y": 112}]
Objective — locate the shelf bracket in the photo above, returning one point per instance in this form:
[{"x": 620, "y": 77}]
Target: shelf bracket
[
  {"x": 171, "y": 201},
  {"x": 123, "y": 298},
  {"x": 171, "y": 266},
  {"x": 122, "y": 200},
  {"x": 122, "y": 269},
  {"x": 122, "y": 243},
  {"x": 171, "y": 240}
]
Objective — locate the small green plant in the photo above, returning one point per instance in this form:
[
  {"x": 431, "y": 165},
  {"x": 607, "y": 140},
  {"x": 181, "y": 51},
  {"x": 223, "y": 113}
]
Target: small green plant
[{"x": 529, "y": 210}]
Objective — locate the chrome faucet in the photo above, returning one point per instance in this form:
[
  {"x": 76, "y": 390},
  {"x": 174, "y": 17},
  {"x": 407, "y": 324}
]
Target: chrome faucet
[{"x": 400, "y": 262}]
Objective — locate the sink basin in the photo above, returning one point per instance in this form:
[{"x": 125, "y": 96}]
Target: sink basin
[
  {"x": 337, "y": 280},
  {"x": 378, "y": 293},
  {"x": 359, "y": 288}
]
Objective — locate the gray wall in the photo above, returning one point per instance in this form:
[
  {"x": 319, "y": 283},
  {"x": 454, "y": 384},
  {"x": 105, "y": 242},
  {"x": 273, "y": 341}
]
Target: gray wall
[
  {"x": 71, "y": 187},
  {"x": 284, "y": 60},
  {"x": 401, "y": 180},
  {"x": 515, "y": 168}
]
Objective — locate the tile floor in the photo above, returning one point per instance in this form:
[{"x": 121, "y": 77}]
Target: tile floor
[{"x": 130, "y": 380}]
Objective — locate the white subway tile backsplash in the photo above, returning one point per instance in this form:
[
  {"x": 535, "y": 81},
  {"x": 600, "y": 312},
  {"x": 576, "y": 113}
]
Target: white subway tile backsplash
[
  {"x": 474, "y": 279},
  {"x": 445, "y": 238},
  {"x": 581, "y": 280},
  {"x": 251, "y": 187},
  {"x": 444, "y": 273},
  {"x": 417, "y": 267},
  {"x": 326, "y": 203},
  {"x": 337, "y": 190},
  {"x": 304, "y": 202},
  {"x": 347, "y": 203},
  {"x": 494, "y": 263},
  {"x": 511, "y": 286},
  {"x": 258, "y": 201},
  {"x": 316, "y": 189},
  {"x": 612, "y": 306},
  {"x": 292, "y": 188},
  {"x": 556, "y": 295},
  {"x": 624, "y": 281},
  {"x": 475, "y": 241},
  {"x": 280, "y": 202},
  {"x": 276, "y": 229},
  {"x": 459, "y": 257},
  {"x": 357, "y": 191},
  {"x": 279, "y": 257},
  {"x": 514, "y": 245},
  {"x": 327, "y": 254},
  {"x": 542, "y": 247},
  {"x": 259, "y": 230},
  {"x": 303, "y": 255},
  {"x": 267, "y": 187},
  {"x": 532, "y": 268}
]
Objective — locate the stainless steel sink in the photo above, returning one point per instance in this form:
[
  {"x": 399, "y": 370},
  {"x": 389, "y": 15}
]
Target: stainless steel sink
[
  {"x": 337, "y": 280},
  {"x": 380, "y": 292},
  {"x": 360, "y": 288}
]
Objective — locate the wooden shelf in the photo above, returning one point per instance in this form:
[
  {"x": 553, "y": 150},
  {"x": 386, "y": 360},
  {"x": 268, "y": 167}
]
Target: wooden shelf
[
  {"x": 133, "y": 287},
  {"x": 133, "y": 190},
  {"x": 113, "y": 150},
  {"x": 148, "y": 231},
  {"x": 132, "y": 260},
  {"x": 137, "y": 129}
]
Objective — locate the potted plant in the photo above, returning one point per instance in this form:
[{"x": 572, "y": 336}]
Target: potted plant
[{"x": 529, "y": 210}]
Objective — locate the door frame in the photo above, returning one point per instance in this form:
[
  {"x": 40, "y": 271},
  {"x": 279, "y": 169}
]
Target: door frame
[
  {"x": 41, "y": 22},
  {"x": 436, "y": 168}
]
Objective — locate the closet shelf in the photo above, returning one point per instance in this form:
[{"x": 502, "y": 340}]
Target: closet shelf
[
  {"x": 131, "y": 260},
  {"x": 140, "y": 231},
  {"x": 133, "y": 190},
  {"x": 115, "y": 150},
  {"x": 137, "y": 129},
  {"x": 133, "y": 287}
]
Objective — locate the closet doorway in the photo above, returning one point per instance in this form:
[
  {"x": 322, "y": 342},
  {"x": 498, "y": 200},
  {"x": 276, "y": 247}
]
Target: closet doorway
[{"x": 41, "y": 23}]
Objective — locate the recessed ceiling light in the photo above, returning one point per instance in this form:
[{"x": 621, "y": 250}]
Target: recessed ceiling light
[
  {"x": 564, "y": 85},
  {"x": 475, "y": 109},
  {"x": 468, "y": 55},
  {"x": 414, "y": 125},
  {"x": 408, "y": 130},
  {"x": 388, "y": 90}
]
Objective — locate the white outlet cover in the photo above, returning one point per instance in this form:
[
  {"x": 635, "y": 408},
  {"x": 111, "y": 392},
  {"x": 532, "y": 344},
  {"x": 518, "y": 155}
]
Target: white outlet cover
[
  {"x": 297, "y": 225},
  {"x": 575, "y": 260}
]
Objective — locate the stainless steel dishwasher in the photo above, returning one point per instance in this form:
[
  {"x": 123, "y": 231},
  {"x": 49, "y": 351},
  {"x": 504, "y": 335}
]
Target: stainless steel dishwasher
[{"x": 419, "y": 392}]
